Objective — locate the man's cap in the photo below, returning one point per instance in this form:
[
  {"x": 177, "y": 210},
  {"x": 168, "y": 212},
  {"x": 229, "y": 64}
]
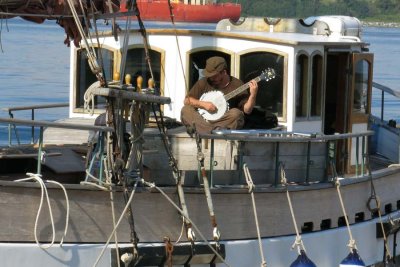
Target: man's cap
[{"x": 213, "y": 66}]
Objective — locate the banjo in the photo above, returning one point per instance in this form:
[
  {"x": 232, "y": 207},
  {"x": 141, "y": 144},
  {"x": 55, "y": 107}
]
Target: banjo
[{"x": 221, "y": 101}]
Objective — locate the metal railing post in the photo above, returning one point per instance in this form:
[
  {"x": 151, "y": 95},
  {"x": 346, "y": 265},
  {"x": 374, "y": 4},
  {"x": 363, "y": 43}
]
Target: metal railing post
[
  {"x": 39, "y": 163},
  {"x": 33, "y": 127},
  {"x": 277, "y": 163}
]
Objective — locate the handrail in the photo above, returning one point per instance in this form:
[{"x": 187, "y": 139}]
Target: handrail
[
  {"x": 274, "y": 136},
  {"x": 279, "y": 137},
  {"x": 73, "y": 126},
  {"x": 386, "y": 89},
  {"x": 43, "y": 124},
  {"x": 44, "y": 106},
  {"x": 32, "y": 108}
]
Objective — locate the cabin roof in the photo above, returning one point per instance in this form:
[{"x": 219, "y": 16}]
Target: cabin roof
[{"x": 211, "y": 29}]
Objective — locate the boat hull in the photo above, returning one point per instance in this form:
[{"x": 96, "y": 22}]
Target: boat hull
[
  {"x": 155, "y": 218},
  {"x": 207, "y": 13},
  {"x": 325, "y": 248}
]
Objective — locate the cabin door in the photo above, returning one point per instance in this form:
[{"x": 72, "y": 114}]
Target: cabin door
[
  {"x": 359, "y": 108},
  {"x": 336, "y": 95},
  {"x": 348, "y": 87}
]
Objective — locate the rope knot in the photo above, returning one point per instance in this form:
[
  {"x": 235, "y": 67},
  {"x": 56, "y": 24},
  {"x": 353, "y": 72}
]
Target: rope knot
[
  {"x": 352, "y": 244},
  {"x": 249, "y": 180},
  {"x": 298, "y": 242}
]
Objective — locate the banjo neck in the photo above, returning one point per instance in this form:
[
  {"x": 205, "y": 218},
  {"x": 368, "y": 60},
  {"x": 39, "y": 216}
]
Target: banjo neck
[{"x": 240, "y": 89}]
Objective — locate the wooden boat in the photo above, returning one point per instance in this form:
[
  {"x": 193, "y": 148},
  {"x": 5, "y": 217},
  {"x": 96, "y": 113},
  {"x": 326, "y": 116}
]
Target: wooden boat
[{"x": 143, "y": 195}]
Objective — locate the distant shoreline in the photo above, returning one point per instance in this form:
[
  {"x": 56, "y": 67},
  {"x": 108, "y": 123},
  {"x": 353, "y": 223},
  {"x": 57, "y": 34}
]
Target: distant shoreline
[{"x": 381, "y": 24}]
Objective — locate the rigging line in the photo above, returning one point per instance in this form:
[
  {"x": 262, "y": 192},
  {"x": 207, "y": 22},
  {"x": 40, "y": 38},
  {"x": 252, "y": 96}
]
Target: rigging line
[
  {"x": 145, "y": 42},
  {"x": 91, "y": 57},
  {"x": 114, "y": 224},
  {"x": 298, "y": 242},
  {"x": 125, "y": 47},
  {"x": 167, "y": 144},
  {"x": 251, "y": 186},
  {"x": 177, "y": 42},
  {"x": 375, "y": 197},
  {"x": 200, "y": 159},
  {"x": 352, "y": 243},
  {"x": 1, "y": 31},
  {"x": 128, "y": 204},
  {"x": 152, "y": 185},
  {"x": 175, "y": 171},
  {"x": 100, "y": 46}
]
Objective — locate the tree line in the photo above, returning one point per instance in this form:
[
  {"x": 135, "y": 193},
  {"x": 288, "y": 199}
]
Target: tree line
[{"x": 378, "y": 10}]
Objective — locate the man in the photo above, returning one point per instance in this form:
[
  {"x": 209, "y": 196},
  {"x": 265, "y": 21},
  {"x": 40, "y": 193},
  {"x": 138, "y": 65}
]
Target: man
[{"x": 216, "y": 77}]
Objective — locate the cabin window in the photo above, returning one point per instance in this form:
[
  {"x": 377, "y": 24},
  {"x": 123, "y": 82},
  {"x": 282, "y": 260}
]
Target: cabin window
[
  {"x": 85, "y": 76},
  {"x": 316, "y": 85},
  {"x": 137, "y": 65},
  {"x": 360, "y": 100},
  {"x": 270, "y": 93},
  {"x": 301, "y": 85}
]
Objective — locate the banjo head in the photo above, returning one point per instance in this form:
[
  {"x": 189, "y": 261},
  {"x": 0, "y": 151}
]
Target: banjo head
[{"x": 217, "y": 98}]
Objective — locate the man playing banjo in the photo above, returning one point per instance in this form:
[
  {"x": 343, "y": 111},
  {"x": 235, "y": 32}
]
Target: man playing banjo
[{"x": 202, "y": 114}]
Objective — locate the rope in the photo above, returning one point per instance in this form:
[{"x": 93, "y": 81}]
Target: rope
[
  {"x": 152, "y": 185},
  {"x": 37, "y": 178},
  {"x": 176, "y": 40},
  {"x": 118, "y": 223},
  {"x": 175, "y": 170},
  {"x": 298, "y": 241},
  {"x": 91, "y": 55},
  {"x": 114, "y": 224},
  {"x": 378, "y": 208},
  {"x": 352, "y": 243},
  {"x": 251, "y": 187},
  {"x": 200, "y": 159},
  {"x": 88, "y": 97}
]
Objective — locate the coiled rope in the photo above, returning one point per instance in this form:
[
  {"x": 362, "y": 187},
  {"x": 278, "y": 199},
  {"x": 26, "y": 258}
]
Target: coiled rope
[
  {"x": 44, "y": 193},
  {"x": 251, "y": 187},
  {"x": 88, "y": 98}
]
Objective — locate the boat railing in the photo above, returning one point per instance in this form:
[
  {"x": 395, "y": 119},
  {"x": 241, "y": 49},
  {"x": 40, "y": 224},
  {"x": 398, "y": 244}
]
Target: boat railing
[
  {"x": 32, "y": 108},
  {"x": 333, "y": 149},
  {"x": 47, "y": 124},
  {"x": 384, "y": 89}
]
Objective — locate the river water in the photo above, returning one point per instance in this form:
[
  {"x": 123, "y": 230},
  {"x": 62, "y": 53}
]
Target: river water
[{"x": 34, "y": 67}]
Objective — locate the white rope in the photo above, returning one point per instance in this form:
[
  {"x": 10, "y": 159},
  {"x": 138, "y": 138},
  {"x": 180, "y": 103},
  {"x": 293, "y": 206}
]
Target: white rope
[
  {"x": 251, "y": 187},
  {"x": 108, "y": 180},
  {"x": 114, "y": 225},
  {"x": 298, "y": 241},
  {"x": 152, "y": 185},
  {"x": 88, "y": 97},
  {"x": 67, "y": 213},
  {"x": 182, "y": 231},
  {"x": 117, "y": 225},
  {"x": 44, "y": 193},
  {"x": 352, "y": 242}
]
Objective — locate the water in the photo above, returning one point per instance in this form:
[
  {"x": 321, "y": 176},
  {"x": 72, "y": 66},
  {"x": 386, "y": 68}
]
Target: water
[
  {"x": 34, "y": 68},
  {"x": 385, "y": 44}
]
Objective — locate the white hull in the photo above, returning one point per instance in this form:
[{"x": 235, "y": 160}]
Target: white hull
[{"x": 325, "y": 248}]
